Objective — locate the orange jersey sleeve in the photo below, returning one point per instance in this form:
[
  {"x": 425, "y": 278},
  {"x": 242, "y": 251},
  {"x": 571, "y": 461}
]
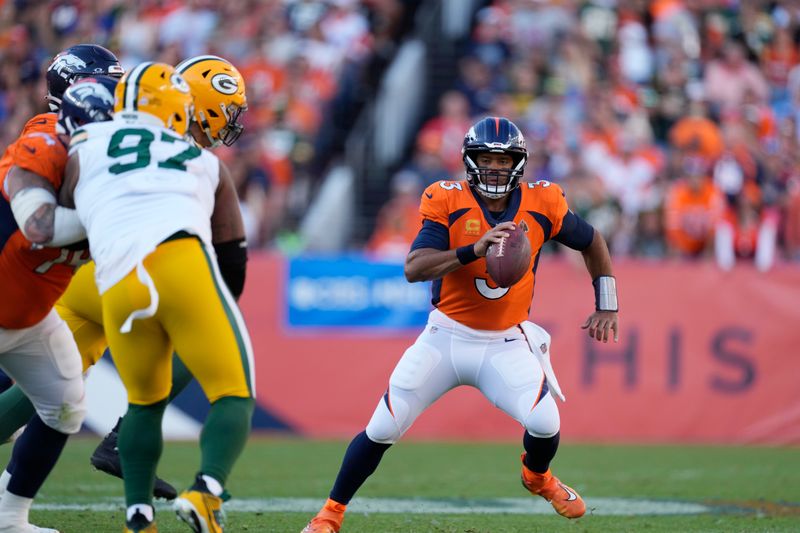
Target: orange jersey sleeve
[
  {"x": 547, "y": 199},
  {"x": 468, "y": 294},
  {"x": 433, "y": 205},
  {"x": 32, "y": 280},
  {"x": 37, "y": 150}
]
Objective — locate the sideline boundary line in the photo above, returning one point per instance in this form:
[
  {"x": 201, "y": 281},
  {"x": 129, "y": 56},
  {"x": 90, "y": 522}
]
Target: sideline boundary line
[{"x": 521, "y": 506}]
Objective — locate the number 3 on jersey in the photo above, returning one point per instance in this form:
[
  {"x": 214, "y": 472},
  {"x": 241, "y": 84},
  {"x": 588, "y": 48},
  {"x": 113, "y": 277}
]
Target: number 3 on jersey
[
  {"x": 450, "y": 185},
  {"x": 121, "y": 146},
  {"x": 490, "y": 293}
]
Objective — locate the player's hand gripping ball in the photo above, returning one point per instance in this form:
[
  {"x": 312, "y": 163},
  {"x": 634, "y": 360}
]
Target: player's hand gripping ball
[{"x": 509, "y": 260}]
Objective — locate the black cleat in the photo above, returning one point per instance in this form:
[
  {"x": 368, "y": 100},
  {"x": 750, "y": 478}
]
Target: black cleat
[{"x": 106, "y": 459}]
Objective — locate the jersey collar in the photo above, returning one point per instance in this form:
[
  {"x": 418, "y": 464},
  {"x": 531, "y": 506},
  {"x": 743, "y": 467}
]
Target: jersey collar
[
  {"x": 510, "y": 212},
  {"x": 138, "y": 117}
]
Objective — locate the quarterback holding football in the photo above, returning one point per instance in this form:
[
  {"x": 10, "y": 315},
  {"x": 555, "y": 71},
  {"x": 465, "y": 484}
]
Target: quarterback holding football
[{"x": 479, "y": 334}]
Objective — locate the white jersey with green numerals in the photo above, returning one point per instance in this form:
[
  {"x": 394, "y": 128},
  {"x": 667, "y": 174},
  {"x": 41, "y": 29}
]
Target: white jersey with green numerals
[{"x": 139, "y": 184}]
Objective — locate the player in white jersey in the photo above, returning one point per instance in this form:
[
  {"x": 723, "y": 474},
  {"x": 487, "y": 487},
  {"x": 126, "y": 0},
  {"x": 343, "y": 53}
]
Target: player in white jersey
[
  {"x": 145, "y": 196},
  {"x": 127, "y": 203}
]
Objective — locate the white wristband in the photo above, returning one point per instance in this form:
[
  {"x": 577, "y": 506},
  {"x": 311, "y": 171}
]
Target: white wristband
[
  {"x": 67, "y": 228},
  {"x": 25, "y": 203},
  {"x": 605, "y": 293}
]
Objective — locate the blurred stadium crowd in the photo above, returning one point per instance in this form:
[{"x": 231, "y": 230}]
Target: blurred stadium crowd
[
  {"x": 296, "y": 56},
  {"x": 673, "y": 125}
]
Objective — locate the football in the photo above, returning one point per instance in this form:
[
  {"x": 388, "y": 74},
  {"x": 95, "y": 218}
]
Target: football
[{"x": 509, "y": 260}]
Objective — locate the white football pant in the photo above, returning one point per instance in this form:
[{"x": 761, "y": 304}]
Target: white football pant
[
  {"x": 448, "y": 354},
  {"x": 44, "y": 361}
]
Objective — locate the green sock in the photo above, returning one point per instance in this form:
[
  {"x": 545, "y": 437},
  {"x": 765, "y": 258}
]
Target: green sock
[
  {"x": 15, "y": 411},
  {"x": 180, "y": 377},
  {"x": 140, "y": 444},
  {"x": 224, "y": 435}
]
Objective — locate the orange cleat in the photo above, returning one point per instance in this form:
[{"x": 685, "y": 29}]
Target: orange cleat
[
  {"x": 328, "y": 520},
  {"x": 565, "y": 500}
]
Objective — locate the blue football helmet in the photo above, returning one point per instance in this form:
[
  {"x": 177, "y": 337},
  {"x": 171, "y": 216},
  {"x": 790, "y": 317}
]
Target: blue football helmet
[
  {"x": 78, "y": 62},
  {"x": 87, "y": 100},
  {"x": 496, "y": 135}
]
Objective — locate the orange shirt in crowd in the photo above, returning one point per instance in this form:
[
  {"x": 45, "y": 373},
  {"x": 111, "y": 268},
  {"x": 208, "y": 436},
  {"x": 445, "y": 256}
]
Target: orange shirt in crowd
[
  {"x": 691, "y": 214},
  {"x": 396, "y": 227},
  {"x": 698, "y": 134}
]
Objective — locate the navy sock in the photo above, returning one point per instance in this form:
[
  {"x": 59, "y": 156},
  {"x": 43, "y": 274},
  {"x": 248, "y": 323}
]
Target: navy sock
[
  {"x": 35, "y": 454},
  {"x": 539, "y": 451},
  {"x": 5, "y": 381},
  {"x": 360, "y": 461}
]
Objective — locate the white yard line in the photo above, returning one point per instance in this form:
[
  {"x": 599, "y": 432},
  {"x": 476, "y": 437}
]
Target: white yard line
[{"x": 531, "y": 506}]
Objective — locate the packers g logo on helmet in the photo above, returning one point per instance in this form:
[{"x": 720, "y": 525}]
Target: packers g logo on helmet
[
  {"x": 179, "y": 83},
  {"x": 219, "y": 97},
  {"x": 225, "y": 83},
  {"x": 158, "y": 90}
]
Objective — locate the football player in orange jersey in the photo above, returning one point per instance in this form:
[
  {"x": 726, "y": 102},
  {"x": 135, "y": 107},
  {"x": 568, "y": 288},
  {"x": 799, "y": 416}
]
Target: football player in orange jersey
[
  {"x": 478, "y": 334},
  {"x": 36, "y": 347}
]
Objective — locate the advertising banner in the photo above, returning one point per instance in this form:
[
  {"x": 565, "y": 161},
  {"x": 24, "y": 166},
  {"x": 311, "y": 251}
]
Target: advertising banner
[
  {"x": 703, "y": 356},
  {"x": 353, "y": 292}
]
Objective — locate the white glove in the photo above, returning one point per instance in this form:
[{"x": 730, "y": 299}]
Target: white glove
[{"x": 539, "y": 343}]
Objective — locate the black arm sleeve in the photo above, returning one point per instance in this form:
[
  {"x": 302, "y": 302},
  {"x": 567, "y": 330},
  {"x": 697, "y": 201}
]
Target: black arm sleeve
[
  {"x": 232, "y": 262},
  {"x": 432, "y": 235},
  {"x": 575, "y": 232}
]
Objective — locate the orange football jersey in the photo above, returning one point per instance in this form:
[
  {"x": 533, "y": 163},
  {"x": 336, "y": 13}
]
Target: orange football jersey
[
  {"x": 32, "y": 280},
  {"x": 468, "y": 294}
]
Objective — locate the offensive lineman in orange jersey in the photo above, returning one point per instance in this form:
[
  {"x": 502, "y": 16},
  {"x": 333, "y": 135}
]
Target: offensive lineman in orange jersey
[
  {"x": 479, "y": 334},
  {"x": 36, "y": 347},
  {"x": 34, "y": 163}
]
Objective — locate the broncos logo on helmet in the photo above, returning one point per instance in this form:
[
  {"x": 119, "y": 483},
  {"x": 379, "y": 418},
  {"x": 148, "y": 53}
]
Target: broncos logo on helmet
[
  {"x": 87, "y": 100},
  {"x": 219, "y": 97},
  {"x": 66, "y": 64},
  {"x": 78, "y": 62}
]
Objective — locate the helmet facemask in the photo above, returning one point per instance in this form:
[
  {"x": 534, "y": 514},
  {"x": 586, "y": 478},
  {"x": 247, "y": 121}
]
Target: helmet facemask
[
  {"x": 482, "y": 178},
  {"x": 232, "y": 129}
]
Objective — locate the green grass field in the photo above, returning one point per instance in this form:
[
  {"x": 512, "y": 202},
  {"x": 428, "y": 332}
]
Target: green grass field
[{"x": 279, "y": 483}]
